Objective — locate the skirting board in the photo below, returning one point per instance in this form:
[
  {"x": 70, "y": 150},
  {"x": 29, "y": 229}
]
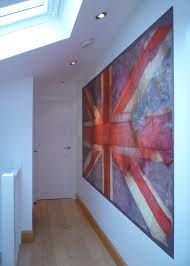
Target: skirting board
[
  {"x": 106, "y": 242},
  {"x": 27, "y": 237}
]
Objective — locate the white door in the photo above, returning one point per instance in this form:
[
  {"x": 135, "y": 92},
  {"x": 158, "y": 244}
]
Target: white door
[{"x": 55, "y": 151}]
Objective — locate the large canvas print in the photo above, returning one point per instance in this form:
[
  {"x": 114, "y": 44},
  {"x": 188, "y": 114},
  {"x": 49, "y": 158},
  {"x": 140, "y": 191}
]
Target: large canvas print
[{"x": 128, "y": 132}]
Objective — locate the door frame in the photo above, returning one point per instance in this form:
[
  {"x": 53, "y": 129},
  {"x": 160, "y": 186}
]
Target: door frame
[{"x": 38, "y": 99}]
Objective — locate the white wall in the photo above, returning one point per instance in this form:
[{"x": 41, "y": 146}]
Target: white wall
[
  {"x": 134, "y": 246},
  {"x": 16, "y": 107},
  {"x": 63, "y": 94}
]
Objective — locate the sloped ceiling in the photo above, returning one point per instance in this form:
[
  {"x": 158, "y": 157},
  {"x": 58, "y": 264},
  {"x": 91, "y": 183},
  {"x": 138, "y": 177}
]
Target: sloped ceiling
[{"x": 51, "y": 62}]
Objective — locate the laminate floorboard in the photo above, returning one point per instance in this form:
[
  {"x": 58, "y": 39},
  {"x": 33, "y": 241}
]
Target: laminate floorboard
[{"x": 63, "y": 237}]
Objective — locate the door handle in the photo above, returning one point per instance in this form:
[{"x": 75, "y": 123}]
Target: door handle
[{"x": 67, "y": 148}]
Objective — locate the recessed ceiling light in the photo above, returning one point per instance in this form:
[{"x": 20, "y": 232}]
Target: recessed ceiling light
[
  {"x": 101, "y": 15},
  {"x": 73, "y": 63},
  {"x": 87, "y": 43}
]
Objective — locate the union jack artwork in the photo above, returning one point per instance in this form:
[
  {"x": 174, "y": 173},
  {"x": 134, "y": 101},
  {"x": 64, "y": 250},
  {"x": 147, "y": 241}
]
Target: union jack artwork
[{"x": 128, "y": 132}]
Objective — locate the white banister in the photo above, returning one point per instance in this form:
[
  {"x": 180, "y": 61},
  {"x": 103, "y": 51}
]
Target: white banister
[{"x": 10, "y": 217}]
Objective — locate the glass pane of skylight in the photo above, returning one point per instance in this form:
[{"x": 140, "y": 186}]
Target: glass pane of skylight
[
  {"x": 4, "y": 3},
  {"x": 19, "y": 7},
  {"x": 22, "y": 10}
]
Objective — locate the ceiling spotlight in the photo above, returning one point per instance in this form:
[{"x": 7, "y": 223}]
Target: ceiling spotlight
[
  {"x": 87, "y": 43},
  {"x": 73, "y": 63},
  {"x": 101, "y": 15}
]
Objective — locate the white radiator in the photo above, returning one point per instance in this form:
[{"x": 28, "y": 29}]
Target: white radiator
[{"x": 10, "y": 217}]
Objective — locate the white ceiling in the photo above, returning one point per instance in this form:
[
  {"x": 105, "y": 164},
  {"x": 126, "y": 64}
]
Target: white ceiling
[{"x": 52, "y": 62}]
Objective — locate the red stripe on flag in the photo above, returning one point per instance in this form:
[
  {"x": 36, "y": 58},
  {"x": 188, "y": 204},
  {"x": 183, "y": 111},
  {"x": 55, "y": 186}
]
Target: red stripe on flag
[
  {"x": 156, "y": 155},
  {"x": 126, "y": 165},
  {"x": 114, "y": 134},
  {"x": 102, "y": 131},
  {"x": 145, "y": 153},
  {"x": 107, "y": 171},
  {"x": 156, "y": 133},
  {"x": 94, "y": 157},
  {"x": 141, "y": 63}
]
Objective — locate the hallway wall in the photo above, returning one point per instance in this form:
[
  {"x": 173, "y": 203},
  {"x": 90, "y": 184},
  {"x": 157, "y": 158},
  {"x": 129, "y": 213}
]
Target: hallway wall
[
  {"x": 16, "y": 107},
  {"x": 133, "y": 245}
]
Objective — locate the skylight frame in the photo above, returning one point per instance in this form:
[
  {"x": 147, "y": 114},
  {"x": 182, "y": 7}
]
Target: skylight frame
[
  {"x": 22, "y": 11},
  {"x": 27, "y": 35}
]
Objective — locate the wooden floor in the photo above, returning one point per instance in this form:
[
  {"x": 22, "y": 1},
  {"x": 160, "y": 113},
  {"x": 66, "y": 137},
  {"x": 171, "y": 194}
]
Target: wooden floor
[{"x": 63, "y": 237}]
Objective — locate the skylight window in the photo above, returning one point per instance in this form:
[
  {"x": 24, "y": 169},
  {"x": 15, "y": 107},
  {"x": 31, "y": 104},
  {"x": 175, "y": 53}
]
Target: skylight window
[
  {"x": 54, "y": 23},
  {"x": 22, "y": 10}
]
